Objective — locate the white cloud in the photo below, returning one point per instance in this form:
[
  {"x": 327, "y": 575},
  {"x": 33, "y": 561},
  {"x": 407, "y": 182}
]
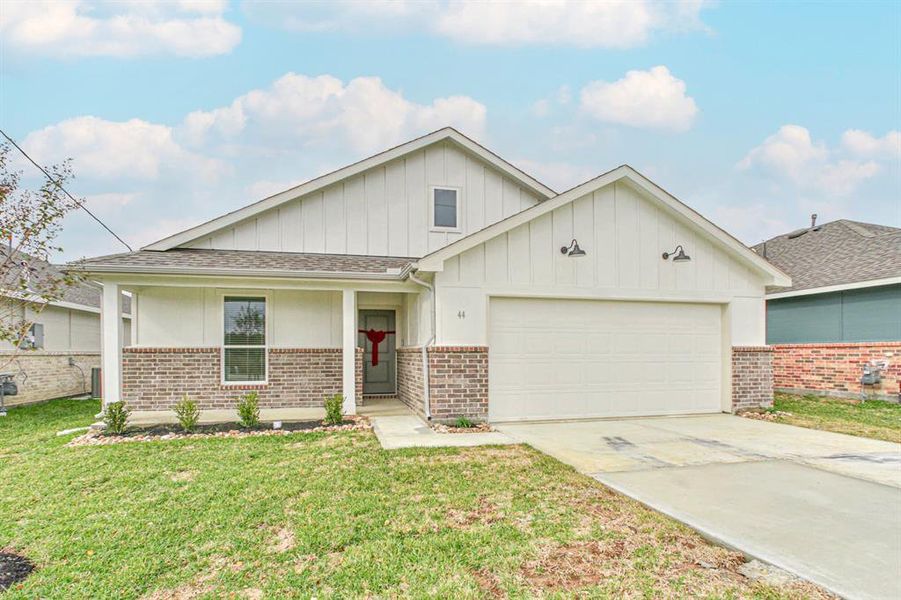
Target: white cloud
[
  {"x": 865, "y": 144},
  {"x": 652, "y": 99},
  {"x": 65, "y": 29},
  {"x": 134, "y": 149},
  {"x": 792, "y": 154},
  {"x": 607, "y": 24},
  {"x": 363, "y": 114}
]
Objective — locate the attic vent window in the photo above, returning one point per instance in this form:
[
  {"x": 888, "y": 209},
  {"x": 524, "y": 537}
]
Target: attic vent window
[{"x": 445, "y": 209}]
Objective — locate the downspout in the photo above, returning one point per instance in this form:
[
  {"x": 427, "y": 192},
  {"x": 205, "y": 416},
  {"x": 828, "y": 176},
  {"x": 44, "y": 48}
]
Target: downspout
[{"x": 425, "y": 352}]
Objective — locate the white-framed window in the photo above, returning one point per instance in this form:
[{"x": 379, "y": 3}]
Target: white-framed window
[
  {"x": 244, "y": 340},
  {"x": 446, "y": 208},
  {"x": 34, "y": 339}
]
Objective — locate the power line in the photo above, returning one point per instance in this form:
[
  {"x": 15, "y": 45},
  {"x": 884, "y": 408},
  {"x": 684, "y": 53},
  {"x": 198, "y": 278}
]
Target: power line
[{"x": 65, "y": 191}]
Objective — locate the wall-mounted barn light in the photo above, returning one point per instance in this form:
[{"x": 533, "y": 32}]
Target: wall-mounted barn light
[
  {"x": 573, "y": 249},
  {"x": 678, "y": 254}
]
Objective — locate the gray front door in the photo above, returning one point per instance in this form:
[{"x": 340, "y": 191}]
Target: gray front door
[{"x": 378, "y": 378}]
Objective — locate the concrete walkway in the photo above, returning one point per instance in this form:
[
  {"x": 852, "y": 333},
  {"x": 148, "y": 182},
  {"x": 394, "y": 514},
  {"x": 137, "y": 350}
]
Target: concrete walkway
[
  {"x": 822, "y": 505},
  {"x": 409, "y": 431}
]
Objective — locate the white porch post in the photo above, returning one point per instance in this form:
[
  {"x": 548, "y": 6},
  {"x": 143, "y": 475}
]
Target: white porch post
[
  {"x": 349, "y": 351},
  {"x": 111, "y": 342}
]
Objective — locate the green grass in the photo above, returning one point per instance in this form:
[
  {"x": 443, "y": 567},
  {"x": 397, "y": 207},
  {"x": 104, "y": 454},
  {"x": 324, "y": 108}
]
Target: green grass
[
  {"x": 329, "y": 515},
  {"x": 873, "y": 418}
]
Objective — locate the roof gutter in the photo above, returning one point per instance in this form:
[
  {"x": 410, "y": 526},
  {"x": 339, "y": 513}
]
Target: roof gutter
[
  {"x": 400, "y": 275},
  {"x": 425, "y": 347}
]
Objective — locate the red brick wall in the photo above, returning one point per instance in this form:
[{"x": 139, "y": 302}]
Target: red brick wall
[
  {"x": 835, "y": 369},
  {"x": 409, "y": 379},
  {"x": 458, "y": 381},
  {"x": 157, "y": 378},
  {"x": 752, "y": 377}
]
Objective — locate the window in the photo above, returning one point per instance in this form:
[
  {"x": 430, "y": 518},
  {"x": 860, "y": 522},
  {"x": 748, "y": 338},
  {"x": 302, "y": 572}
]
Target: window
[
  {"x": 34, "y": 340},
  {"x": 446, "y": 209},
  {"x": 244, "y": 340}
]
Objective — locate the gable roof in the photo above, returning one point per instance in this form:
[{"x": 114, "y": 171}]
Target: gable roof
[
  {"x": 836, "y": 254},
  {"x": 249, "y": 263},
  {"x": 445, "y": 134},
  {"x": 435, "y": 260}
]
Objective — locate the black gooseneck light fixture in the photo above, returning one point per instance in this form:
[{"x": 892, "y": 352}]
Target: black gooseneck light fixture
[
  {"x": 678, "y": 254},
  {"x": 572, "y": 250}
]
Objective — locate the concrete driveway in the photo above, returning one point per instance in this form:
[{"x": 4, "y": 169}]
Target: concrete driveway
[{"x": 822, "y": 505}]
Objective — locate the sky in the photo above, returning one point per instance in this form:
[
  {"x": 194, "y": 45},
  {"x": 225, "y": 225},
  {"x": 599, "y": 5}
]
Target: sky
[{"x": 755, "y": 114}]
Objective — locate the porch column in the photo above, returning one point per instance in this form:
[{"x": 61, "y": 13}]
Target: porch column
[
  {"x": 111, "y": 342},
  {"x": 349, "y": 351}
]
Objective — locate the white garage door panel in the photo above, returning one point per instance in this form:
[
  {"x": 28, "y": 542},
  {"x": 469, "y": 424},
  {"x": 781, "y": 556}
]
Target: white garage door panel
[{"x": 557, "y": 359}]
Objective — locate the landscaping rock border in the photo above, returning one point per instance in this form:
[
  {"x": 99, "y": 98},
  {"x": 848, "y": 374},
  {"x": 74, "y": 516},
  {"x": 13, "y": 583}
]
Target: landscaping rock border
[{"x": 98, "y": 438}]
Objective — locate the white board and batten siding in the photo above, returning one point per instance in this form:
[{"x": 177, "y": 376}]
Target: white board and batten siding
[
  {"x": 383, "y": 211},
  {"x": 624, "y": 232}
]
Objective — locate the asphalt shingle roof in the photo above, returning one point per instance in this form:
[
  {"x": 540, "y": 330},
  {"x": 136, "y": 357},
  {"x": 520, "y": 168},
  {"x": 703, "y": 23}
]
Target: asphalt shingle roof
[
  {"x": 251, "y": 262},
  {"x": 835, "y": 253},
  {"x": 44, "y": 273}
]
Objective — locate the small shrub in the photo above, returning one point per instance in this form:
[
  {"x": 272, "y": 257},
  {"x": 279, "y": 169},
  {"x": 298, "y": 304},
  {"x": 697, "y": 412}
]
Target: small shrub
[
  {"x": 334, "y": 406},
  {"x": 249, "y": 410},
  {"x": 188, "y": 414},
  {"x": 115, "y": 417},
  {"x": 465, "y": 423}
]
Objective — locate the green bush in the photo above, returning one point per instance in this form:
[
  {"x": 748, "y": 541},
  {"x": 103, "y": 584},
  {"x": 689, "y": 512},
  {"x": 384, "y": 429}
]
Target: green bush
[
  {"x": 115, "y": 417},
  {"x": 465, "y": 423},
  {"x": 249, "y": 410},
  {"x": 188, "y": 414},
  {"x": 334, "y": 406}
]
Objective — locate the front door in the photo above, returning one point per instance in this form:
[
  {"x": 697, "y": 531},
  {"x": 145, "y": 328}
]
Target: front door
[{"x": 377, "y": 338}]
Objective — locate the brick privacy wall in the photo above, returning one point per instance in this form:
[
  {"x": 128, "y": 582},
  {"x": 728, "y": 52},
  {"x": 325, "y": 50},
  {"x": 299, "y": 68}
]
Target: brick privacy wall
[
  {"x": 410, "y": 388},
  {"x": 835, "y": 369},
  {"x": 458, "y": 381},
  {"x": 157, "y": 378},
  {"x": 45, "y": 375},
  {"x": 752, "y": 377}
]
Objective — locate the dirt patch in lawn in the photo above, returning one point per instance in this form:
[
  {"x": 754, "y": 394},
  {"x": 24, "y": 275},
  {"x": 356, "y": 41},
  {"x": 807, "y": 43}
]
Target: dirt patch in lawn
[
  {"x": 485, "y": 513},
  {"x": 14, "y": 568},
  {"x": 284, "y": 540}
]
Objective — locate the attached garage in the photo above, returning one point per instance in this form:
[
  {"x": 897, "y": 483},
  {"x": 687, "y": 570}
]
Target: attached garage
[{"x": 563, "y": 359}]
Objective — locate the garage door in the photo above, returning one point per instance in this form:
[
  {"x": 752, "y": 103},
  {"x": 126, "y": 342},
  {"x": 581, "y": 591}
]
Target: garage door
[{"x": 560, "y": 359}]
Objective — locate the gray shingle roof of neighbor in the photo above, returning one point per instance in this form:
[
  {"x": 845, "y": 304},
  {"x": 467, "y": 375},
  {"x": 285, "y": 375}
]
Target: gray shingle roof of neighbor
[
  {"x": 248, "y": 262},
  {"x": 836, "y": 253},
  {"x": 80, "y": 292}
]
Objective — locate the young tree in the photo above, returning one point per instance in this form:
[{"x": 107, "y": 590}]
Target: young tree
[{"x": 30, "y": 220}]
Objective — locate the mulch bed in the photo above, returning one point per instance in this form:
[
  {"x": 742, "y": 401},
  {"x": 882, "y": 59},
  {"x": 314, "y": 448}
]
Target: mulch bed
[
  {"x": 13, "y": 569},
  {"x": 231, "y": 430}
]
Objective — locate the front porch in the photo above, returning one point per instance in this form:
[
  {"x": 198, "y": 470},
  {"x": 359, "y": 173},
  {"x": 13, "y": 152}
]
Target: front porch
[{"x": 294, "y": 343}]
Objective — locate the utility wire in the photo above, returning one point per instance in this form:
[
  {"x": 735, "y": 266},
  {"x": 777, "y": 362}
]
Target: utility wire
[{"x": 65, "y": 191}]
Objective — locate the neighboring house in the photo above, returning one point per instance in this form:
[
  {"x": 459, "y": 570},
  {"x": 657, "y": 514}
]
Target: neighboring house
[
  {"x": 63, "y": 342},
  {"x": 440, "y": 272},
  {"x": 842, "y": 311}
]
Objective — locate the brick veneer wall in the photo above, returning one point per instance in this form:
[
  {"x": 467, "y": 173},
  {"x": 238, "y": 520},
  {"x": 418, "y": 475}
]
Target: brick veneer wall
[
  {"x": 835, "y": 369},
  {"x": 157, "y": 378},
  {"x": 458, "y": 381},
  {"x": 409, "y": 379},
  {"x": 752, "y": 377},
  {"x": 45, "y": 374}
]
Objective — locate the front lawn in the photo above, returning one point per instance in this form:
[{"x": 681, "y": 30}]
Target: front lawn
[
  {"x": 331, "y": 515},
  {"x": 873, "y": 418}
]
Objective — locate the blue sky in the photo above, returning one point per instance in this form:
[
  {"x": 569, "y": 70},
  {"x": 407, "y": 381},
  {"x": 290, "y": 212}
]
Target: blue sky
[{"x": 755, "y": 114}]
